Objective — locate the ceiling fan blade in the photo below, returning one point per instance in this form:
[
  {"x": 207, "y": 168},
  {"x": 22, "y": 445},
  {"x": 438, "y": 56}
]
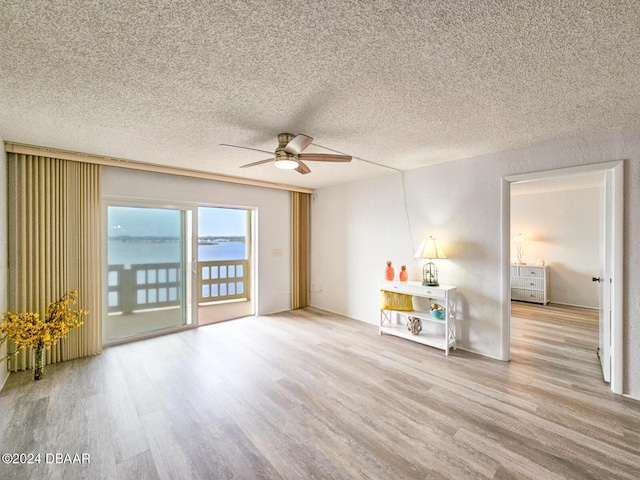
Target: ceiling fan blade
[
  {"x": 246, "y": 148},
  {"x": 257, "y": 163},
  {"x": 302, "y": 168},
  {"x": 298, "y": 144},
  {"x": 324, "y": 157}
]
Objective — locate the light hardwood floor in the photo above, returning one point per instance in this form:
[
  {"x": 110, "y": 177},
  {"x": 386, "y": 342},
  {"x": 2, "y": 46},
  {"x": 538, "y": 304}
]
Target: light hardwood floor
[{"x": 310, "y": 395}]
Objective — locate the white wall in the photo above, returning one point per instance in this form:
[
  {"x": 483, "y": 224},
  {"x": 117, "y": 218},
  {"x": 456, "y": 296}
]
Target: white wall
[
  {"x": 4, "y": 258},
  {"x": 563, "y": 229},
  {"x": 274, "y": 237},
  {"x": 357, "y": 226},
  {"x": 353, "y": 234}
]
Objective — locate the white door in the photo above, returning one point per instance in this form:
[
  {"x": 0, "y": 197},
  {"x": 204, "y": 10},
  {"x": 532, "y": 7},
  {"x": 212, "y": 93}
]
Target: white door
[{"x": 606, "y": 263}]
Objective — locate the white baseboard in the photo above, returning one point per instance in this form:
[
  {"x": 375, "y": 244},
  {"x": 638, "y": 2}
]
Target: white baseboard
[
  {"x": 631, "y": 397},
  {"x": 342, "y": 315},
  {"x": 573, "y": 305}
]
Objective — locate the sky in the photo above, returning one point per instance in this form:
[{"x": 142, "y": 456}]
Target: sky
[
  {"x": 161, "y": 222},
  {"x": 222, "y": 221}
]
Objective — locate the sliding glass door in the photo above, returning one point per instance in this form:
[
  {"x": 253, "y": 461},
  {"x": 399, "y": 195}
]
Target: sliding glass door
[{"x": 148, "y": 287}]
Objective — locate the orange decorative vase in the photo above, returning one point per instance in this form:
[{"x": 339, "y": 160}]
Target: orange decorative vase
[
  {"x": 404, "y": 276},
  {"x": 389, "y": 272}
]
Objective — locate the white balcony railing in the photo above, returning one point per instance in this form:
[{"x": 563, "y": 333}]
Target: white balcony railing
[
  {"x": 223, "y": 280},
  {"x": 157, "y": 285}
]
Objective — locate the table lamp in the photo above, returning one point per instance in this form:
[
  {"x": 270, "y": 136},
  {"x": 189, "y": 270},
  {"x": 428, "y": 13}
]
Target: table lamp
[{"x": 430, "y": 249}]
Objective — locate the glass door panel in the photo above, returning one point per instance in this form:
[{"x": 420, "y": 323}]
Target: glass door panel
[
  {"x": 224, "y": 281},
  {"x": 146, "y": 270}
]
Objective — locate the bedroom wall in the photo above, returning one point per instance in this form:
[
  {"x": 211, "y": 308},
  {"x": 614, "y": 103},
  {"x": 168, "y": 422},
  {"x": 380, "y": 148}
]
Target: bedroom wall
[
  {"x": 356, "y": 227},
  {"x": 4, "y": 374},
  {"x": 563, "y": 229},
  {"x": 274, "y": 237}
]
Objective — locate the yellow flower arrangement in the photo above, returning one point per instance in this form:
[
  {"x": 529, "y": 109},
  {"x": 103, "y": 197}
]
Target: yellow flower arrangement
[{"x": 30, "y": 330}]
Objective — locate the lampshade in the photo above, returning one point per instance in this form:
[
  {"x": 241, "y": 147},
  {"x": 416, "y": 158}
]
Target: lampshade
[
  {"x": 430, "y": 248},
  {"x": 520, "y": 238}
]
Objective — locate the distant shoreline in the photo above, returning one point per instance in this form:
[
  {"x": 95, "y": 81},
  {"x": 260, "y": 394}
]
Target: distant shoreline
[{"x": 156, "y": 239}]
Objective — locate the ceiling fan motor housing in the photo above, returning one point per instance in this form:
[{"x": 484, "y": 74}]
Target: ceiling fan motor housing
[
  {"x": 284, "y": 159},
  {"x": 283, "y": 140}
]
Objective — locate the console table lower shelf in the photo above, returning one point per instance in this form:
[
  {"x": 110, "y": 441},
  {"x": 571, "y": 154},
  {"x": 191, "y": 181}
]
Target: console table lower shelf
[{"x": 443, "y": 341}]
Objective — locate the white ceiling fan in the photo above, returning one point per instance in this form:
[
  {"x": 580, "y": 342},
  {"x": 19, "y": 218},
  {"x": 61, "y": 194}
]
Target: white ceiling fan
[{"x": 289, "y": 154}]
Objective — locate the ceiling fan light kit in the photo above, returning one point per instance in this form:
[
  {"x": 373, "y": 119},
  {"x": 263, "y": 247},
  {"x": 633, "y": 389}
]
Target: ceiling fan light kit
[
  {"x": 285, "y": 161},
  {"x": 289, "y": 156}
]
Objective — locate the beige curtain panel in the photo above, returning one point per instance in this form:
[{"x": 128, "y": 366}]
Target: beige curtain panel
[
  {"x": 55, "y": 246},
  {"x": 300, "y": 227}
]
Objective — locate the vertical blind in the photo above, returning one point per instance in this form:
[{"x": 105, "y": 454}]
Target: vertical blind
[
  {"x": 300, "y": 227},
  {"x": 55, "y": 246}
]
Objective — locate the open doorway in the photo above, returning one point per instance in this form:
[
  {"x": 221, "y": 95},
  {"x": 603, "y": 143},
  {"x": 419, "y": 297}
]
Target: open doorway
[
  {"x": 605, "y": 263},
  {"x": 556, "y": 227},
  {"x": 224, "y": 266},
  {"x": 557, "y": 238}
]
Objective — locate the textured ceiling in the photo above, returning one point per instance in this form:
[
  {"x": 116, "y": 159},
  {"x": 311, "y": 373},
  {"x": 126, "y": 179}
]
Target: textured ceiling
[{"x": 397, "y": 83}]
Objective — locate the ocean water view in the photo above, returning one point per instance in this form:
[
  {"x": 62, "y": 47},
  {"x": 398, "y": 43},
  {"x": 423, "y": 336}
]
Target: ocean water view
[{"x": 141, "y": 252}]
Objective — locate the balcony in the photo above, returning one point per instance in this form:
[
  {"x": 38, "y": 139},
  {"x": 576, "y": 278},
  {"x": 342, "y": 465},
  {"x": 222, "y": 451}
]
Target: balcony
[{"x": 152, "y": 286}]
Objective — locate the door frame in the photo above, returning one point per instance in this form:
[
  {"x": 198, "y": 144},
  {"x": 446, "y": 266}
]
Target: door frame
[{"x": 616, "y": 170}]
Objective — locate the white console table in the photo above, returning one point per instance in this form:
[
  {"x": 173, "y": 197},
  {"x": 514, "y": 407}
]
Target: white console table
[{"x": 435, "y": 333}]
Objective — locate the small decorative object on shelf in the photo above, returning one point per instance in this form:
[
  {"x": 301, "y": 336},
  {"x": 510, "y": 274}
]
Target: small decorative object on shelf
[
  {"x": 437, "y": 311},
  {"x": 29, "y": 330},
  {"x": 389, "y": 272},
  {"x": 414, "y": 325},
  {"x": 404, "y": 276}
]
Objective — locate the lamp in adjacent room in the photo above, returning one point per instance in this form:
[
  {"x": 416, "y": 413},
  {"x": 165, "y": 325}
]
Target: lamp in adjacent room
[
  {"x": 519, "y": 240},
  {"x": 430, "y": 249}
]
